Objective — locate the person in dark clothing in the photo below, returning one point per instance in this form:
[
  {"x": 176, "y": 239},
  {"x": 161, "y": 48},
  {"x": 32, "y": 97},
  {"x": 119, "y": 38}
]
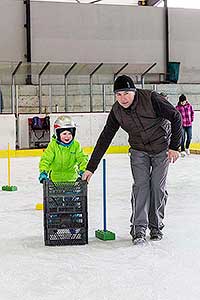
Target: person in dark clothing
[
  {"x": 154, "y": 130},
  {"x": 1, "y": 101}
]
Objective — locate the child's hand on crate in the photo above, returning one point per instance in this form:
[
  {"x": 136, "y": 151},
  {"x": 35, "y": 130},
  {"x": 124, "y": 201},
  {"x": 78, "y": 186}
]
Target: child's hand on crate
[{"x": 43, "y": 176}]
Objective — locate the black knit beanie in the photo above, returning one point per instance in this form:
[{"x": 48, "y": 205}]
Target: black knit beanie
[{"x": 124, "y": 83}]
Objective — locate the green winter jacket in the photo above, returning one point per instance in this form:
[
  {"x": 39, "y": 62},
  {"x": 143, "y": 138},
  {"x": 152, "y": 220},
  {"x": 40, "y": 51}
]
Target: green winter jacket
[{"x": 63, "y": 163}]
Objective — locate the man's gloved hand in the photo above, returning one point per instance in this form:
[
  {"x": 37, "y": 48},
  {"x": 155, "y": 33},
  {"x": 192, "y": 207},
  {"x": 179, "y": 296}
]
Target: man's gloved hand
[{"x": 43, "y": 176}]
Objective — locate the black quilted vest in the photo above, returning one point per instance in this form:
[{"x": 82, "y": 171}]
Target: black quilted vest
[{"x": 147, "y": 132}]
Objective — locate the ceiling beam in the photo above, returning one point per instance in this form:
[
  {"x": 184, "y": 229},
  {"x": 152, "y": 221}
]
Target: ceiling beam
[
  {"x": 95, "y": 1},
  {"x": 153, "y": 2},
  {"x": 148, "y": 2}
]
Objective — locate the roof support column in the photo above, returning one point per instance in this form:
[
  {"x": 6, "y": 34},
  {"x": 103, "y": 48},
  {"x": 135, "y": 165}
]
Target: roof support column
[
  {"x": 13, "y": 94},
  {"x": 27, "y": 25},
  {"x": 166, "y": 38},
  {"x": 66, "y": 85},
  {"x": 91, "y": 84},
  {"x": 144, "y": 73},
  {"x": 119, "y": 71},
  {"x": 40, "y": 86}
]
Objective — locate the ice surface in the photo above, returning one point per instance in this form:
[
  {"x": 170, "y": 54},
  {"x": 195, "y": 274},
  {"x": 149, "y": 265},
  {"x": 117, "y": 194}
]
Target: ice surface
[{"x": 102, "y": 270}]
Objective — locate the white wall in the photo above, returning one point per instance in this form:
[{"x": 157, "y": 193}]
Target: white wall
[
  {"x": 67, "y": 32},
  {"x": 196, "y": 128},
  {"x": 7, "y": 131},
  {"x": 12, "y": 31},
  {"x": 89, "y": 127},
  {"x": 184, "y": 42},
  {"x": 108, "y": 33},
  {"x": 97, "y": 33}
]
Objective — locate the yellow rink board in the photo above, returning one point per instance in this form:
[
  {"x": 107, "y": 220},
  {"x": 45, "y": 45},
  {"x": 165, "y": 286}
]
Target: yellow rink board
[
  {"x": 38, "y": 152},
  {"x": 194, "y": 148}
]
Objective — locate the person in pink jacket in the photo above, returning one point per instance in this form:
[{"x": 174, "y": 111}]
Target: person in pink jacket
[{"x": 187, "y": 113}]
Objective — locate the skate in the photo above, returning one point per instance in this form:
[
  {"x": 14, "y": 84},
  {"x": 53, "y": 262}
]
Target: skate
[
  {"x": 187, "y": 151},
  {"x": 183, "y": 153}
]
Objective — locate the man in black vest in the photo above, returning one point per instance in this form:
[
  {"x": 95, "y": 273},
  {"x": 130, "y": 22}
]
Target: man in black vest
[{"x": 154, "y": 130}]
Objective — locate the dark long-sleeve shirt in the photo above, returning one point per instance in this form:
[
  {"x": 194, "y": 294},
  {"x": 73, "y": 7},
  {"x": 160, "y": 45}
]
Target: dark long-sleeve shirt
[{"x": 166, "y": 110}]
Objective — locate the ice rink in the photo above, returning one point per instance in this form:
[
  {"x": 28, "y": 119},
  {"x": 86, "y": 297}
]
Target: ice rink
[{"x": 111, "y": 270}]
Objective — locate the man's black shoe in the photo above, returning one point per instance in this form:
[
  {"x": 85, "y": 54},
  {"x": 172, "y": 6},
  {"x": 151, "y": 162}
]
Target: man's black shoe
[{"x": 156, "y": 235}]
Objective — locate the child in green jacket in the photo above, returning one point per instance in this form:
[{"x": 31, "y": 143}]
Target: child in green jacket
[{"x": 63, "y": 160}]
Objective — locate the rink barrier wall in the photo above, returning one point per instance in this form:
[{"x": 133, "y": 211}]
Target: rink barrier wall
[
  {"x": 90, "y": 123},
  {"x": 8, "y": 131},
  {"x": 89, "y": 127},
  {"x": 194, "y": 149}
]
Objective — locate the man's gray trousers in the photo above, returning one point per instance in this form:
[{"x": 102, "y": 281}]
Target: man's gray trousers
[{"x": 149, "y": 193}]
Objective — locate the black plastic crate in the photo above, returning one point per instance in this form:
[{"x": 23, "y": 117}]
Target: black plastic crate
[
  {"x": 65, "y": 236},
  {"x": 65, "y": 197},
  {"x": 64, "y": 220},
  {"x": 65, "y": 213}
]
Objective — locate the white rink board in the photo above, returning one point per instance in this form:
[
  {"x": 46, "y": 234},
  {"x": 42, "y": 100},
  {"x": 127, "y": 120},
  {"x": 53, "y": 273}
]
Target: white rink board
[
  {"x": 89, "y": 126},
  {"x": 7, "y": 131}
]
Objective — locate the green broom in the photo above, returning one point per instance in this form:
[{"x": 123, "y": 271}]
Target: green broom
[
  {"x": 10, "y": 188},
  {"x": 104, "y": 234}
]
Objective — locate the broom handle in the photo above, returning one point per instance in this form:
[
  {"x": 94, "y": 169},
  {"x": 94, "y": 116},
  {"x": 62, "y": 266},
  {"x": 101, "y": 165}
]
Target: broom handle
[
  {"x": 104, "y": 194},
  {"x": 8, "y": 164}
]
